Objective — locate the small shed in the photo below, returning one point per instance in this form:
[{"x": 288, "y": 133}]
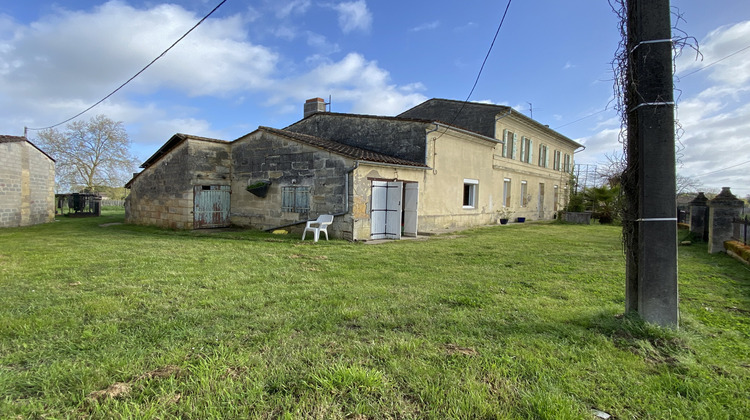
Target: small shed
[{"x": 27, "y": 183}]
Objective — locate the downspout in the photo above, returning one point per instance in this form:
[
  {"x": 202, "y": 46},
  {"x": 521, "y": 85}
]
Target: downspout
[
  {"x": 346, "y": 188},
  {"x": 434, "y": 148}
]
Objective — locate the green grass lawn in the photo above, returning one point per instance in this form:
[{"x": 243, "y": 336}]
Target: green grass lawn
[{"x": 518, "y": 321}]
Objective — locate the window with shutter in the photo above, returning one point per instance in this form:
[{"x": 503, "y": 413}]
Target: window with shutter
[{"x": 295, "y": 198}]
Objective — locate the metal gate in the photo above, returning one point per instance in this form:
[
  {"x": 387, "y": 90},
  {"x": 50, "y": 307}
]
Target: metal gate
[{"x": 211, "y": 206}]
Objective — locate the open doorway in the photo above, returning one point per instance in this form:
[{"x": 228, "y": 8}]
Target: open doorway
[{"x": 393, "y": 209}]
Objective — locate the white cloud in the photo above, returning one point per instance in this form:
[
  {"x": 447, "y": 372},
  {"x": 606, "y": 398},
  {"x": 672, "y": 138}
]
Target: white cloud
[
  {"x": 61, "y": 48},
  {"x": 714, "y": 118},
  {"x": 320, "y": 43},
  {"x": 54, "y": 67},
  {"x": 426, "y": 26},
  {"x": 354, "y": 80},
  {"x": 354, "y": 16},
  {"x": 284, "y": 9},
  {"x": 722, "y": 44},
  {"x": 568, "y": 65}
]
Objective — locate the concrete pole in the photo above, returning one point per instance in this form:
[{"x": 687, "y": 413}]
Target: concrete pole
[{"x": 652, "y": 288}]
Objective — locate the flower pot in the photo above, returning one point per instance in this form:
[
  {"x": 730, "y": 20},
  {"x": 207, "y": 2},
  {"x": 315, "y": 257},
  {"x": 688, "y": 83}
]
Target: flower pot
[
  {"x": 503, "y": 221},
  {"x": 259, "y": 189},
  {"x": 521, "y": 219}
]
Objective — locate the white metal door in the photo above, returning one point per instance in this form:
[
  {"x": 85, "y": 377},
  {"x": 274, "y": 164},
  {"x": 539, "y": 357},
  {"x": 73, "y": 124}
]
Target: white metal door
[
  {"x": 385, "y": 210},
  {"x": 411, "y": 201}
]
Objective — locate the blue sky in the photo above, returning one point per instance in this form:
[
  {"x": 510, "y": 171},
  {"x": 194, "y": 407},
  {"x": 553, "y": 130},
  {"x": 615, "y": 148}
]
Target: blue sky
[{"x": 255, "y": 62}]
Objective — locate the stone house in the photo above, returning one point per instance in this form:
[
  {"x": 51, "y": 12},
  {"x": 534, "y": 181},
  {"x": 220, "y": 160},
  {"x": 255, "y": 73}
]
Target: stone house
[
  {"x": 27, "y": 183},
  {"x": 383, "y": 177}
]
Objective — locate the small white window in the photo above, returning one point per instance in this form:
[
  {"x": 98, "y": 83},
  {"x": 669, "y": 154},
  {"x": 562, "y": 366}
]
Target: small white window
[{"x": 470, "y": 193}]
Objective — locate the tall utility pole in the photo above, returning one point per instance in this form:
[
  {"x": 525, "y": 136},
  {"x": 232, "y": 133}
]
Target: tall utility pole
[{"x": 649, "y": 181}]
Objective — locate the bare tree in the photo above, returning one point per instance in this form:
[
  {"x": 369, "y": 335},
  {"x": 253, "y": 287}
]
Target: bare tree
[
  {"x": 610, "y": 172},
  {"x": 686, "y": 184},
  {"x": 90, "y": 153}
]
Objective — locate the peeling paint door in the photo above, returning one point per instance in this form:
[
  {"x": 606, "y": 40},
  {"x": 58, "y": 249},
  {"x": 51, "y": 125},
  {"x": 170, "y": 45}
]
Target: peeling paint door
[
  {"x": 385, "y": 210},
  {"x": 211, "y": 206},
  {"x": 411, "y": 201}
]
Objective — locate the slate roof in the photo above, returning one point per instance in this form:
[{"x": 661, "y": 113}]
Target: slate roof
[
  {"x": 18, "y": 139},
  {"x": 11, "y": 139},
  {"x": 474, "y": 116},
  {"x": 352, "y": 152}
]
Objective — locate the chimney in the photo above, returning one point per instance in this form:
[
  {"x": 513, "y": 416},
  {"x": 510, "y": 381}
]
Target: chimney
[{"x": 313, "y": 106}]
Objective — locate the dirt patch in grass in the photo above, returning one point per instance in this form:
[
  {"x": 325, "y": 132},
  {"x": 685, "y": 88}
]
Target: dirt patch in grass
[
  {"x": 162, "y": 372},
  {"x": 122, "y": 389},
  {"x": 116, "y": 390},
  {"x": 455, "y": 349}
]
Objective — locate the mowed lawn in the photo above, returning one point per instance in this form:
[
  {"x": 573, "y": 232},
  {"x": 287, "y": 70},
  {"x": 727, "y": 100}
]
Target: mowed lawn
[{"x": 518, "y": 321}]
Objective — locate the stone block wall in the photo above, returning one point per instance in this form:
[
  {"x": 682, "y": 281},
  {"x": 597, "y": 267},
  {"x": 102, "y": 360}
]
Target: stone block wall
[
  {"x": 722, "y": 210},
  {"x": 266, "y": 156},
  {"x": 162, "y": 195},
  {"x": 27, "y": 185},
  {"x": 402, "y": 139}
]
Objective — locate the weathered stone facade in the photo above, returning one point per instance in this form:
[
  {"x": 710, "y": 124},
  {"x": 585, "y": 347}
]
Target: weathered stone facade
[
  {"x": 162, "y": 194},
  {"x": 699, "y": 217},
  {"x": 27, "y": 183},
  {"x": 266, "y": 156},
  {"x": 395, "y": 137},
  {"x": 722, "y": 210}
]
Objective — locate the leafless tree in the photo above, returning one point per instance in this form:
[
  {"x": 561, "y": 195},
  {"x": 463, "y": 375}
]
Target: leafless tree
[
  {"x": 686, "y": 184},
  {"x": 609, "y": 172},
  {"x": 90, "y": 153}
]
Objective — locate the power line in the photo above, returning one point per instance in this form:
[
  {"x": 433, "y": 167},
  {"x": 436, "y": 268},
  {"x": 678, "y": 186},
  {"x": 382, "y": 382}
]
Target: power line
[
  {"x": 716, "y": 62},
  {"x": 723, "y": 169},
  {"x": 581, "y": 119},
  {"x": 681, "y": 77},
  {"x": 476, "y": 81},
  {"x": 488, "y": 51},
  {"x": 136, "y": 75}
]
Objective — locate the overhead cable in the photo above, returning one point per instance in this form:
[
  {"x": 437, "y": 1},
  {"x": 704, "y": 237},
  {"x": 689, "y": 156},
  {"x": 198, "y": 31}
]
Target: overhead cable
[
  {"x": 681, "y": 77},
  {"x": 136, "y": 75},
  {"x": 502, "y": 20}
]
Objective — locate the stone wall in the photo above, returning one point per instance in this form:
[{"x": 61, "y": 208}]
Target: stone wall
[
  {"x": 162, "y": 195},
  {"x": 263, "y": 156},
  {"x": 722, "y": 210},
  {"x": 27, "y": 185},
  {"x": 402, "y": 139}
]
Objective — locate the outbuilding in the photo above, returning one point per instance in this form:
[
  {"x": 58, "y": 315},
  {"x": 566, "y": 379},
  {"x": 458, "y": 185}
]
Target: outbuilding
[{"x": 27, "y": 183}]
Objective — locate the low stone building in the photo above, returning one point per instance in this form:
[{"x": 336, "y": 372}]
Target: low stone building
[
  {"x": 27, "y": 183},
  {"x": 383, "y": 177},
  {"x": 178, "y": 180}
]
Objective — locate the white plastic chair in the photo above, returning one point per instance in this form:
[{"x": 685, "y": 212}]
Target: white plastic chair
[{"x": 318, "y": 225}]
